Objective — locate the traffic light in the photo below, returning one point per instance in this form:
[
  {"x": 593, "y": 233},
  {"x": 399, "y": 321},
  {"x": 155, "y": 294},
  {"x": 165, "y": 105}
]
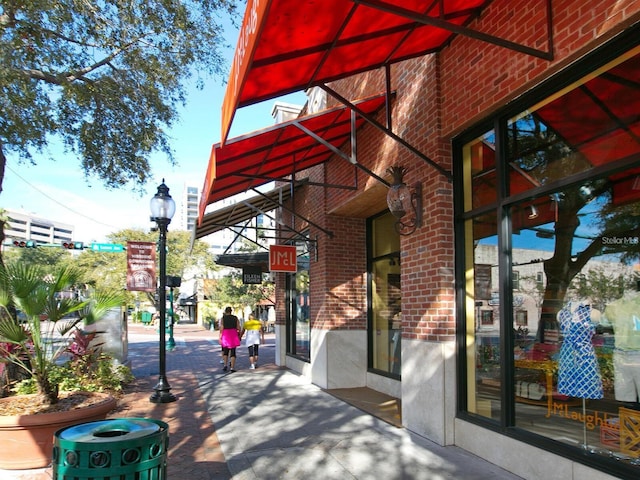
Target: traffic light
[
  {"x": 73, "y": 245},
  {"x": 24, "y": 243}
]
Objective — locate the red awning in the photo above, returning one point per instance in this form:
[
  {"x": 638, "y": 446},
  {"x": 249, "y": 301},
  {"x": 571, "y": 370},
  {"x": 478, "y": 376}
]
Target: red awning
[
  {"x": 290, "y": 45},
  {"x": 277, "y": 152},
  {"x": 600, "y": 121}
]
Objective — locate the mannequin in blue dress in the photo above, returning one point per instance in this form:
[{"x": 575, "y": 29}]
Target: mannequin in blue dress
[{"x": 578, "y": 371}]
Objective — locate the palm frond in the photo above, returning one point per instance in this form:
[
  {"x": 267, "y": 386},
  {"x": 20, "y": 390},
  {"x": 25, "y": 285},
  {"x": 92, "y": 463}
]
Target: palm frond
[
  {"x": 101, "y": 303},
  {"x": 13, "y": 332},
  {"x": 52, "y": 309}
]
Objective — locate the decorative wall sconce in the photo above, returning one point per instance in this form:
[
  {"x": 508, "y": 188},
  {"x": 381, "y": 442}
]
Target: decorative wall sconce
[
  {"x": 533, "y": 212},
  {"x": 404, "y": 203}
]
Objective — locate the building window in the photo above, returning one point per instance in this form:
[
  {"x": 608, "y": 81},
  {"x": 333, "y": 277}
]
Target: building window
[
  {"x": 486, "y": 318},
  {"x": 515, "y": 275},
  {"x": 385, "y": 306},
  {"x": 553, "y": 190}
]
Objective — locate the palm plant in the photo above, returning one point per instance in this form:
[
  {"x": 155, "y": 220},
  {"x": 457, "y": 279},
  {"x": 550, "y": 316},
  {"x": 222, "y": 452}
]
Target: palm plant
[{"x": 52, "y": 310}]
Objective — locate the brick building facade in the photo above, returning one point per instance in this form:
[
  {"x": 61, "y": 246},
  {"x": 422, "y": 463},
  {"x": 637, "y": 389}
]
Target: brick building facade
[{"x": 457, "y": 385}]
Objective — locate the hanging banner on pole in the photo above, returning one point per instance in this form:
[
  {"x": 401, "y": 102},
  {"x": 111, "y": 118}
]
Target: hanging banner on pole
[
  {"x": 141, "y": 266},
  {"x": 283, "y": 258}
]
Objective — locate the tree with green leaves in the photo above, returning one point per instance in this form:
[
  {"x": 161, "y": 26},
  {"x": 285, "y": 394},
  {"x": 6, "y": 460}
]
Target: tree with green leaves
[
  {"x": 38, "y": 256},
  {"x": 105, "y": 78},
  {"x": 542, "y": 155},
  {"x": 230, "y": 290},
  {"x": 109, "y": 269},
  {"x": 601, "y": 286}
]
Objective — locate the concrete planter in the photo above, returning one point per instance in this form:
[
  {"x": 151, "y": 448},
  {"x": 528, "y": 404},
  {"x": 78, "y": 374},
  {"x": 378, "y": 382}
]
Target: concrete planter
[{"x": 26, "y": 441}]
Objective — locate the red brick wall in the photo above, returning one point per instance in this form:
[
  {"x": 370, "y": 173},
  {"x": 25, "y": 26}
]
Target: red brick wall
[
  {"x": 436, "y": 97},
  {"x": 338, "y": 285},
  {"x": 478, "y": 77}
]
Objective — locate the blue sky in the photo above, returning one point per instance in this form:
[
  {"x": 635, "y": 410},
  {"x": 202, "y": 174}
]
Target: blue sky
[{"x": 57, "y": 190}]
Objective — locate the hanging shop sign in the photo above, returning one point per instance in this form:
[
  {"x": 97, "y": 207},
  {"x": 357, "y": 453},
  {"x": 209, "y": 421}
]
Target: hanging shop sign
[
  {"x": 251, "y": 275},
  {"x": 283, "y": 258}
]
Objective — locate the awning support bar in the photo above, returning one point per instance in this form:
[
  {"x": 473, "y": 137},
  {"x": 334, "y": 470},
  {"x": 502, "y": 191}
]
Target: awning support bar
[
  {"x": 287, "y": 228},
  {"x": 388, "y": 132},
  {"x": 238, "y": 234},
  {"x": 299, "y": 182},
  {"x": 459, "y": 29},
  {"x": 328, "y": 232},
  {"x": 387, "y": 97},
  {"x": 352, "y": 160}
]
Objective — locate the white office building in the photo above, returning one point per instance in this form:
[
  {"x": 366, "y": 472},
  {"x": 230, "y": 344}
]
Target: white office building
[{"x": 24, "y": 226}]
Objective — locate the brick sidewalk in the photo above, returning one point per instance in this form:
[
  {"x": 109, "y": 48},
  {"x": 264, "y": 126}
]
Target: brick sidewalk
[{"x": 194, "y": 450}]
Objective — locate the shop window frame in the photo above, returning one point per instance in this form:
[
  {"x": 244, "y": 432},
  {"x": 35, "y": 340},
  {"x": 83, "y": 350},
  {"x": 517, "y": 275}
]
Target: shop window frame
[{"x": 506, "y": 424}]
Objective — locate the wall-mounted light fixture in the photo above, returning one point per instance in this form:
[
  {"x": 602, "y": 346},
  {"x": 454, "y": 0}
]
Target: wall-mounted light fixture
[
  {"x": 533, "y": 212},
  {"x": 404, "y": 203}
]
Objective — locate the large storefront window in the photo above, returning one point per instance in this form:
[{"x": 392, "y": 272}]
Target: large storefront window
[
  {"x": 385, "y": 332},
  {"x": 551, "y": 222}
]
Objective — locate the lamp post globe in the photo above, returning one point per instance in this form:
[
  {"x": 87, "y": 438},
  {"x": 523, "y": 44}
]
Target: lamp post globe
[
  {"x": 162, "y": 205},
  {"x": 162, "y": 209}
]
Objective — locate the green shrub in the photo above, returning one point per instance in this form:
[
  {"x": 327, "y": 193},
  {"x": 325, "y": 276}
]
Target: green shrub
[{"x": 101, "y": 374}]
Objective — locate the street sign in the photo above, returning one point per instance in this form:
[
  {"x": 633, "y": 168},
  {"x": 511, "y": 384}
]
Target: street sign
[{"x": 107, "y": 247}]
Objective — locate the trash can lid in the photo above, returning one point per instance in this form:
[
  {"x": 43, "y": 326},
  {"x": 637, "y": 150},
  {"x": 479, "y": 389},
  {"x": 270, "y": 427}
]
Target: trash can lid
[{"x": 109, "y": 430}]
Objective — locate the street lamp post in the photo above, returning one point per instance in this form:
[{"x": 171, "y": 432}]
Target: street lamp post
[{"x": 162, "y": 209}]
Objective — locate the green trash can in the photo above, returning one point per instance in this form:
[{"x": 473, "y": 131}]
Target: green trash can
[
  {"x": 118, "y": 449},
  {"x": 146, "y": 318}
]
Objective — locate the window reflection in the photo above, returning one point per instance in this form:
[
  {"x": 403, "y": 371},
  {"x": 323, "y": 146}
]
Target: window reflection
[
  {"x": 486, "y": 332},
  {"x": 385, "y": 334},
  {"x": 566, "y": 363},
  {"x": 300, "y": 305},
  {"x": 298, "y": 314},
  {"x": 574, "y": 268}
]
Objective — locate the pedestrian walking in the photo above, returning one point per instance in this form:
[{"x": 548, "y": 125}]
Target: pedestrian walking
[
  {"x": 229, "y": 339},
  {"x": 219, "y": 327},
  {"x": 254, "y": 330}
]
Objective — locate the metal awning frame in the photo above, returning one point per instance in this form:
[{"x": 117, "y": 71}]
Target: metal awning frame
[
  {"x": 294, "y": 182},
  {"x": 237, "y": 230},
  {"x": 239, "y": 234},
  {"x": 329, "y": 233},
  {"x": 387, "y": 130},
  {"x": 444, "y": 24},
  {"x": 352, "y": 158},
  {"x": 469, "y": 32}
]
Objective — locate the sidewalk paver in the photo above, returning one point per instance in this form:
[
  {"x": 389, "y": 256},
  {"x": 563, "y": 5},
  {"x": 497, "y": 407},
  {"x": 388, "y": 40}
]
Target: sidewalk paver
[{"x": 269, "y": 423}]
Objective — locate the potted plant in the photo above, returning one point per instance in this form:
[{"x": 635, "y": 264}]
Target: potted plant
[{"x": 52, "y": 309}]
